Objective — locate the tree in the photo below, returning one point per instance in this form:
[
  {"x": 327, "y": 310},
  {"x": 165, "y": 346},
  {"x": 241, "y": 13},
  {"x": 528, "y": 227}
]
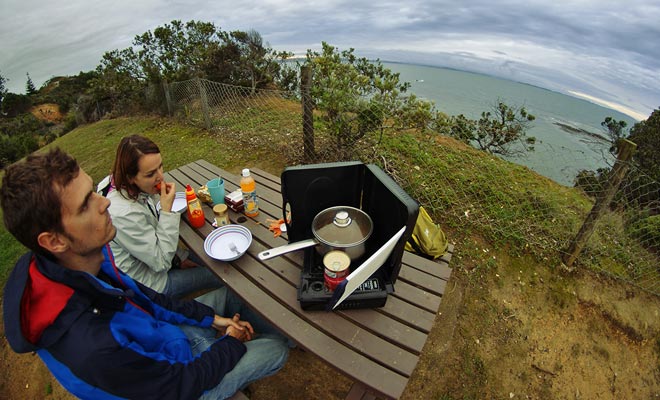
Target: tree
[
  {"x": 592, "y": 183},
  {"x": 646, "y": 134},
  {"x": 177, "y": 51},
  {"x": 615, "y": 130},
  {"x": 180, "y": 51},
  {"x": 29, "y": 86},
  {"x": 642, "y": 188},
  {"x": 15, "y": 104},
  {"x": 258, "y": 62},
  {"x": 358, "y": 96},
  {"x": 3, "y": 89},
  {"x": 497, "y": 131},
  {"x": 119, "y": 80}
]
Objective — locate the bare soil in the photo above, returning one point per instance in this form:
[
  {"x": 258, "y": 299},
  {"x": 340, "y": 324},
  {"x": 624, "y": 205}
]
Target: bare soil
[
  {"x": 47, "y": 112},
  {"x": 509, "y": 330}
]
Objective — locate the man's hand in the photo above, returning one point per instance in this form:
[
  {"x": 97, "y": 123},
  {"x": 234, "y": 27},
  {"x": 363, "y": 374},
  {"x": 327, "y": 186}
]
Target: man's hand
[{"x": 241, "y": 330}]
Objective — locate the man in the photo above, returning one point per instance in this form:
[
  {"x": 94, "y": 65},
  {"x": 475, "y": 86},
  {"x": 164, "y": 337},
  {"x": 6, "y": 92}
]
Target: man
[{"x": 100, "y": 333}]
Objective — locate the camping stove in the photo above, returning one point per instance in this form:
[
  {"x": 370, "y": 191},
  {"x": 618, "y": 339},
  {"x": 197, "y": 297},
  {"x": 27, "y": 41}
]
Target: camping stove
[{"x": 309, "y": 189}]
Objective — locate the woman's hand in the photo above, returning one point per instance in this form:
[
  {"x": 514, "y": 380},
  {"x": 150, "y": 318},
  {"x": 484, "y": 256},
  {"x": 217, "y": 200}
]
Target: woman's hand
[
  {"x": 167, "y": 194},
  {"x": 185, "y": 264},
  {"x": 241, "y": 330}
]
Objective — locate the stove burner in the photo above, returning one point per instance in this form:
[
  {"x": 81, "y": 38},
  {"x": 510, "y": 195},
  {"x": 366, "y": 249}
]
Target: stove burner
[{"x": 314, "y": 295}]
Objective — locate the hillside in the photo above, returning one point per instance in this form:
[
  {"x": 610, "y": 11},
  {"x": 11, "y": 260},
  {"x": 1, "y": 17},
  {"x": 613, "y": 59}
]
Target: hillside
[{"x": 513, "y": 323}]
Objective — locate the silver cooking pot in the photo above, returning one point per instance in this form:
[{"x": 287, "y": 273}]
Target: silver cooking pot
[{"x": 336, "y": 228}]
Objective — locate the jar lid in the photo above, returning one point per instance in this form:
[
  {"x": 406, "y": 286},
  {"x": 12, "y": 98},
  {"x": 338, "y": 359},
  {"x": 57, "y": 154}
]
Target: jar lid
[{"x": 220, "y": 209}]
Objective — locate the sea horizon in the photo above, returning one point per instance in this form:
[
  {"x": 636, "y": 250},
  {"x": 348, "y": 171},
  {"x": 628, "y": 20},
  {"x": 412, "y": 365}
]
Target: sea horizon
[
  {"x": 637, "y": 116},
  {"x": 568, "y": 131}
]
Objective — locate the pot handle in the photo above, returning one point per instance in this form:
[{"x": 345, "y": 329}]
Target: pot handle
[{"x": 287, "y": 248}]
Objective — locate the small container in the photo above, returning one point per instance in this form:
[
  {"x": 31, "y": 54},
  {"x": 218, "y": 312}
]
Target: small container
[
  {"x": 221, "y": 217},
  {"x": 336, "y": 263},
  {"x": 195, "y": 211},
  {"x": 234, "y": 200}
]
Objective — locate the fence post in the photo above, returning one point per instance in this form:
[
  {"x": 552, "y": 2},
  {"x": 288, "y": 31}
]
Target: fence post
[
  {"x": 307, "y": 109},
  {"x": 626, "y": 150},
  {"x": 205, "y": 103},
  {"x": 168, "y": 100}
]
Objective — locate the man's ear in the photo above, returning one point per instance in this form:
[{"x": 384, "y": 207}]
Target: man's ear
[{"x": 53, "y": 242}]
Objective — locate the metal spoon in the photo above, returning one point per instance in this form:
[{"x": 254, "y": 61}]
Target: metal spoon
[{"x": 233, "y": 248}]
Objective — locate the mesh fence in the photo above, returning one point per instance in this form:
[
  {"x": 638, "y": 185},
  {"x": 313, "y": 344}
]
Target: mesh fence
[{"x": 464, "y": 189}]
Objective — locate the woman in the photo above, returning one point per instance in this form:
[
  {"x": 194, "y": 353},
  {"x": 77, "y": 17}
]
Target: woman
[{"x": 146, "y": 244}]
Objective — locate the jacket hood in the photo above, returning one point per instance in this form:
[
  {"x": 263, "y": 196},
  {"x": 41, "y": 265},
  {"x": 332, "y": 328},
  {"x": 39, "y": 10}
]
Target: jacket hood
[{"x": 37, "y": 304}]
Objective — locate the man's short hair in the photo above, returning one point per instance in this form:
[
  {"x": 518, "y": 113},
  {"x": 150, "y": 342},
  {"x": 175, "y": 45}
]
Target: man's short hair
[{"x": 30, "y": 195}]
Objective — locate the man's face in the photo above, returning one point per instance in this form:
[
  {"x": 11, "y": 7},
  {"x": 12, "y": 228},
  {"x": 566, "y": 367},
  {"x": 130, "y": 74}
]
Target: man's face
[{"x": 85, "y": 218}]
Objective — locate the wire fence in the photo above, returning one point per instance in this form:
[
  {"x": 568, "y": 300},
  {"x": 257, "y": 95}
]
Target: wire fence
[{"x": 465, "y": 189}]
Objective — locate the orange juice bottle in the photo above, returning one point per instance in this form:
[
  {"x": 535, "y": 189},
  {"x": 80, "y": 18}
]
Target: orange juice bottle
[
  {"x": 249, "y": 189},
  {"x": 195, "y": 211}
]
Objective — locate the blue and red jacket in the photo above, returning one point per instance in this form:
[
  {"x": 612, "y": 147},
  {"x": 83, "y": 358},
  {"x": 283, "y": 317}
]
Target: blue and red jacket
[{"x": 108, "y": 336}]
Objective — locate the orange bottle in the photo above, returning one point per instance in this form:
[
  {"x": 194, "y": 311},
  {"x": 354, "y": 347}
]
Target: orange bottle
[
  {"x": 249, "y": 189},
  {"x": 195, "y": 211}
]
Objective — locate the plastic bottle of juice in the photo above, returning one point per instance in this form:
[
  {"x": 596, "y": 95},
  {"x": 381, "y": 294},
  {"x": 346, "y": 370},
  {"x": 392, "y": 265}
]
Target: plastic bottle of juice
[
  {"x": 195, "y": 211},
  {"x": 249, "y": 189}
]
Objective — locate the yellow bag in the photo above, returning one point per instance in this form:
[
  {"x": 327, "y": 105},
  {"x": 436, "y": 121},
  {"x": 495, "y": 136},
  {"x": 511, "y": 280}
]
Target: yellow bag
[{"x": 427, "y": 239}]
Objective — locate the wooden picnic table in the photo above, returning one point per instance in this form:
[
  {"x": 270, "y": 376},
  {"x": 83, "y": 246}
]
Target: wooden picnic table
[{"x": 376, "y": 348}]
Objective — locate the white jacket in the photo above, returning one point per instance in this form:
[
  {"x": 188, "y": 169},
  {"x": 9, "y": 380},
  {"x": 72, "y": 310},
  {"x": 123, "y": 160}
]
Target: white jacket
[{"x": 145, "y": 243}]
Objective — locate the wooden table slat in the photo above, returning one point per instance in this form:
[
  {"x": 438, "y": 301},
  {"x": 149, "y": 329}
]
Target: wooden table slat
[
  {"x": 438, "y": 268},
  {"x": 423, "y": 280},
  {"x": 412, "y": 294}
]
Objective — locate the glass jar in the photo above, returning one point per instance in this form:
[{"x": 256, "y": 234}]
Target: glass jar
[{"x": 221, "y": 216}]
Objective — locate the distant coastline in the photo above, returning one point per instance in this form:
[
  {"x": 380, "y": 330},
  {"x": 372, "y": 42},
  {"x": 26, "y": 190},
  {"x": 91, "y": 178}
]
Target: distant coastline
[{"x": 572, "y": 129}]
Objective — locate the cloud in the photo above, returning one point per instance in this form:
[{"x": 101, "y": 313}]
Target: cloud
[{"x": 603, "y": 49}]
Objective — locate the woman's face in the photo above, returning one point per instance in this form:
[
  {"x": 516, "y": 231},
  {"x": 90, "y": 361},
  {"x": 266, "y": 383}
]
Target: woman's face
[{"x": 150, "y": 173}]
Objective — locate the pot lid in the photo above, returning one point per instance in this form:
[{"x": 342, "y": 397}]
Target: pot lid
[{"x": 342, "y": 226}]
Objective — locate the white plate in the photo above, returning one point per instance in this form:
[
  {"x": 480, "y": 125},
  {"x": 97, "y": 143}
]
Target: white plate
[
  {"x": 179, "y": 204},
  {"x": 217, "y": 243}
]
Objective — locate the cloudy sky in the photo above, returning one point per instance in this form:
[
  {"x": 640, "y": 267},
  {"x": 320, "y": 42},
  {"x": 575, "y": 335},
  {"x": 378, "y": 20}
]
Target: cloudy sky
[{"x": 601, "y": 50}]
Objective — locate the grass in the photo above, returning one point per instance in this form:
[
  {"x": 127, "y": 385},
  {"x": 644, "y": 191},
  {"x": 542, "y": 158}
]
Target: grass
[{"x": 511, "y": 206}]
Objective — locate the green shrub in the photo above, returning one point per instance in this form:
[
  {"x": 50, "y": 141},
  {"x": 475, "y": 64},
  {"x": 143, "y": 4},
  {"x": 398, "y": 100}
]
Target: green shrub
[
  {"x": 647, "y": 231},
  {"x": 13, "y": 148},
  {"x": 14, "y": 104},
  {"x": 70, "y": 123}
]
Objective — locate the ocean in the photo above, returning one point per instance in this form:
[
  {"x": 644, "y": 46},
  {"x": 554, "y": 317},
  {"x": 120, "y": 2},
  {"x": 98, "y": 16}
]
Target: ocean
[{"x": 569, "y": 137}]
